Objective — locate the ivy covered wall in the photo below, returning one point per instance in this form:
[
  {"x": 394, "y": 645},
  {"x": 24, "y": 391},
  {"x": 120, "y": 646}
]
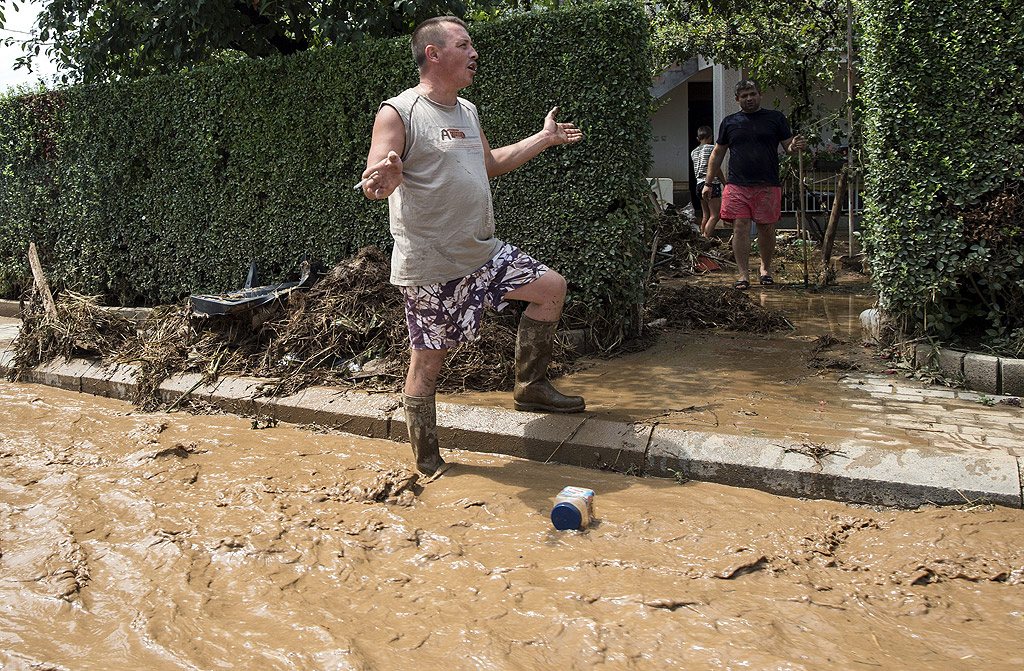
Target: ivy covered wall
[
  {"x": 944, "y": 232},
  {"x": 147, "y": 191}
]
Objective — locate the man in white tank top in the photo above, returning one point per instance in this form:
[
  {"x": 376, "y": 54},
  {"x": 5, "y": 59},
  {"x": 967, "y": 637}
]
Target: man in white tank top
[{"x": 430, "y": 158}]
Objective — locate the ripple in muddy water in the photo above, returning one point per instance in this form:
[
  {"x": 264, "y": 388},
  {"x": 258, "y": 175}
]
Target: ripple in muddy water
[{"x": 145, "y": 541}]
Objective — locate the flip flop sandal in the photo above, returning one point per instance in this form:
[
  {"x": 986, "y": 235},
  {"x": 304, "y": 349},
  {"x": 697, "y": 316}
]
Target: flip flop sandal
[
  {"x": 767, "y": 281},
  {"x": 742, "y": 285}
]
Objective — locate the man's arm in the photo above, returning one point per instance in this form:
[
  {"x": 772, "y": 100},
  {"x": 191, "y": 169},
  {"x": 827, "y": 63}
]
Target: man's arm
[
  {"x": 715, "y": 164},
  {"x": 792, "y": 145},
  {"x": 383, "y": 172},
  {"x": 508, "y": 158}
]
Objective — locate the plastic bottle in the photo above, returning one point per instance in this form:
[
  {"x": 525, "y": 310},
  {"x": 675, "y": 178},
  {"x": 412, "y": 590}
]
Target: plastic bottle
[{"x": 574, "y": 508}]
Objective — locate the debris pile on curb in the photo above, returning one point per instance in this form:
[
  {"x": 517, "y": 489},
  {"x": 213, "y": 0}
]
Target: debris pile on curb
[
  {"x": 77, "y": 325},
  {"x": 347, "y": 329}
]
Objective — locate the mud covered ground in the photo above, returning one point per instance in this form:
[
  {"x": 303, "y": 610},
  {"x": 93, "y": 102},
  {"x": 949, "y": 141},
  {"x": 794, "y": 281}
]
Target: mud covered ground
[{"x": 168, "y": 541}]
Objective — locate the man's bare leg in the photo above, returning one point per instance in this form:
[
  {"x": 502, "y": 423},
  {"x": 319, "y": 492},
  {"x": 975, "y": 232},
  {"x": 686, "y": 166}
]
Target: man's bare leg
[
  {"x": 424, "y": 366},
  {"x": 766, "y": 247},
  {"x": 741, "y": 247},
  {"x": 716, "y": 215},
  {"x": 545, "y": 295}
]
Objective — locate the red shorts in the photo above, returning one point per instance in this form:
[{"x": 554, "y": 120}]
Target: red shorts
[{"x": 761, "y": 204}]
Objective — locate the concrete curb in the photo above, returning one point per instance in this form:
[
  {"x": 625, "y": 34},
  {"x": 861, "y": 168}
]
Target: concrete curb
[
  {"x": 10, "y": 309},
  {"x": 979, "y": 372},
  {"x": 859, "y": 473}
]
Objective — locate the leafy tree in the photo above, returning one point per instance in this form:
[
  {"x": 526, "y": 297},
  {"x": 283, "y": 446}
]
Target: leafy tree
[
  {"x": 102, "y": 40},
  {"x": 793, "y": 46}
]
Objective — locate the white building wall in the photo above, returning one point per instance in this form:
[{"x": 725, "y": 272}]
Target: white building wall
[
  {"x": 724, "y": 93},
  {"x": 670, "y": 143}
]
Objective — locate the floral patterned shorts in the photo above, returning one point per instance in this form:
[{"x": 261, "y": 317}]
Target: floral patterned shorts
[{"x": 442, "y": 316}]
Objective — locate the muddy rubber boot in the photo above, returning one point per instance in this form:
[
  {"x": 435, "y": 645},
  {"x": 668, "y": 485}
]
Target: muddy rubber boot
[
  {"x": 421, "y": 422},
  {"x": 533, "y": 353}
]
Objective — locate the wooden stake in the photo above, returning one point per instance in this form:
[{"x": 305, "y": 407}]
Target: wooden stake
[
  {"x": 40, "y": 280},
  {"x": 803, "y": 214}
]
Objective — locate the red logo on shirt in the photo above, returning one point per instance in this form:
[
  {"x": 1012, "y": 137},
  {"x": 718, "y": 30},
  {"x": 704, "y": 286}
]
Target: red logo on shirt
[{"x": 452, "y": 134}]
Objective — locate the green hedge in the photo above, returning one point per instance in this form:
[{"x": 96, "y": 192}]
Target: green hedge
[
  {"x": 170, "y": 185},
  {"x": 945, "y": 140}
]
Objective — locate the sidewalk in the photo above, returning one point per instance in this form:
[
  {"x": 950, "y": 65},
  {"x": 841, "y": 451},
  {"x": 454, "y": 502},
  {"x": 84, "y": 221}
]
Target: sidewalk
[{"x": 731, "y": 408}]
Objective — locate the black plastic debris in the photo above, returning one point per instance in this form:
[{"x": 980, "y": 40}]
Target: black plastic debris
[{"x": 249, "y": 297}]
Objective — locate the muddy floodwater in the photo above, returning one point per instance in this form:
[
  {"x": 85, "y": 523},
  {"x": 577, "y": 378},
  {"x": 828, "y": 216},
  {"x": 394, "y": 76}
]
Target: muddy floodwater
[
  {"x": 171, "y": 541},
  {"x": 740, "y": 383}
]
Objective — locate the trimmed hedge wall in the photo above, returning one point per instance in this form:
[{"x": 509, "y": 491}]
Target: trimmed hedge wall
[
  {"x": 945, "y": 140},
  {"x": 150, "y": 190}
]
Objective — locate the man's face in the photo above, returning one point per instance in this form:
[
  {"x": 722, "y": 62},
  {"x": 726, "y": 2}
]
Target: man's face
[
  {"x": 749, "y": 100},
  {"x": 457, "y": 59}
]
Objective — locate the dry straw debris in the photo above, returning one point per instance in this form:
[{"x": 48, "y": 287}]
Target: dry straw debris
[{"x": 348, "y": 329}]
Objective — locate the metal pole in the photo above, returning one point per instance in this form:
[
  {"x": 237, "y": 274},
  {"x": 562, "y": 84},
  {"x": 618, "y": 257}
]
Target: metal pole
[{"x": 851, "y": 185}]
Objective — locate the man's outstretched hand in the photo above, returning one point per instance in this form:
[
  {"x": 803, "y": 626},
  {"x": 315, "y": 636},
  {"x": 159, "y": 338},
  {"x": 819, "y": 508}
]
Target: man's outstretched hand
[
  {"x": 560, "y": 133},
  {"x": 384, "y": 177}
]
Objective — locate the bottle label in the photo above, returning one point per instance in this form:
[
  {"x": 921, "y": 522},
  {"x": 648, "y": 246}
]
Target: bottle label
[{"x": 583, "y": 495}]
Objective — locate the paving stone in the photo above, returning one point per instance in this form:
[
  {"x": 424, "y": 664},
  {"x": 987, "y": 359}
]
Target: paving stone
[
  {"x": 889, "y": 418},
  {"x": 1003, "y": 433},
  {"x": 962, "y": 447},
  {"x": 904, "y": 397},
  {"x": 1002, "y": 442},
  {"x": 944, "y": 428},
  {"x": 937, "y": 393},
  {"x": 871, "y": 407},
  {"x": 1011, "y": 373},
  {"x": 981, "y": 373},
  {"x": 995, "y": 416},
  {"x": 903, "y": 404},
  {"x": 887, "y": 388},
  {"x": 973, "y": 430}
]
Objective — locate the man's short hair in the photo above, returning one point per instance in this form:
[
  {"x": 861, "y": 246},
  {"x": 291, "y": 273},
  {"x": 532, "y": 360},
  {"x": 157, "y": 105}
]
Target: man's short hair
[
  {"x": 746, "y": 84},
  {"x": 431, "y": 31},
  {"x": 705, "y": 133}
]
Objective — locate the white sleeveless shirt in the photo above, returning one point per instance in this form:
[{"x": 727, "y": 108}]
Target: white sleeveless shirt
[{"x": 442, "y": 217}]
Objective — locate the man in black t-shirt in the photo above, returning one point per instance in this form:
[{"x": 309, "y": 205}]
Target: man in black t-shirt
[{"x": 753, "y": 192}]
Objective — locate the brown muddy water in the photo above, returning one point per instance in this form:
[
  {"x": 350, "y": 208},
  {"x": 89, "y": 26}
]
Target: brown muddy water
[
  {"x": 170, "y": 541},
  {"x": 741, "y": 383}
]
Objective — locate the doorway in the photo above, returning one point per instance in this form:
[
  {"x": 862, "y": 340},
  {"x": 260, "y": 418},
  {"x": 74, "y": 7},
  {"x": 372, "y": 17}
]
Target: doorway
[{"x": 701, "y": 112}]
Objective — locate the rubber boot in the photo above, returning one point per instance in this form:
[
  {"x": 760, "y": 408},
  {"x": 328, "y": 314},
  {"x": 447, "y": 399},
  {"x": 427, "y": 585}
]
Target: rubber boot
[
  {"x": 533, "y": 353},
  {"x": 421, "y": 422}
]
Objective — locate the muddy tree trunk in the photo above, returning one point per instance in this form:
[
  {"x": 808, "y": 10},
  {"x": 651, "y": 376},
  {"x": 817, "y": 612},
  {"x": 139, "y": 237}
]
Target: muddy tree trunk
[{"x": 833, "y": 220}]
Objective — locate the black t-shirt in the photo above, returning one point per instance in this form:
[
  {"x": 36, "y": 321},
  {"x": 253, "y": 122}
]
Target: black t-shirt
[{"x": 753, "y": 141}]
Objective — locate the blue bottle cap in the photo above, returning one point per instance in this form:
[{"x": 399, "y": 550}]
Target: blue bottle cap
[{"x": 565, "y": 516}]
